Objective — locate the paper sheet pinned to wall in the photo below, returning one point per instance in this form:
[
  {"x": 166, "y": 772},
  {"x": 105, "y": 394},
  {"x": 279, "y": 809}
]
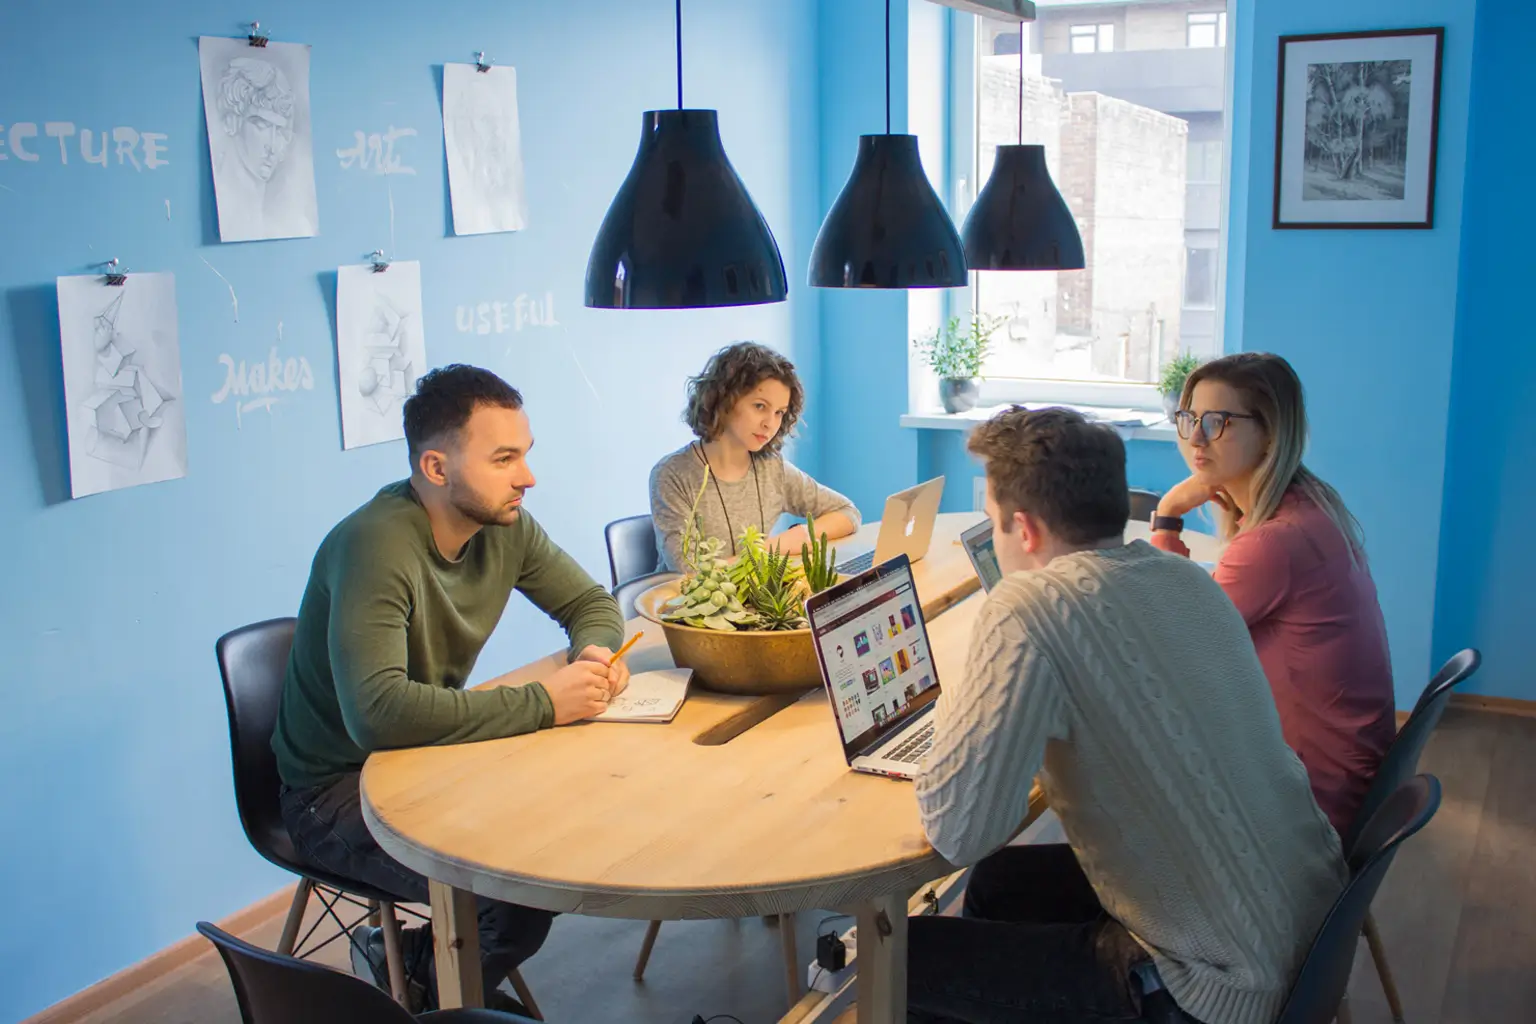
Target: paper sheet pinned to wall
[
  {"x": 484, "y": 147},
  {"x": 122, "y": 382},
  {"x": 380, "y": 349}
]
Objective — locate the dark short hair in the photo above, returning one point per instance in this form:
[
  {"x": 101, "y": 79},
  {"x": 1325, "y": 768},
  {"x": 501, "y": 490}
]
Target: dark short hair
[
  {"x": 445, "y": 398},
  {"x": 733, "y": 372},
  {"x": 1059, "y": 467}
]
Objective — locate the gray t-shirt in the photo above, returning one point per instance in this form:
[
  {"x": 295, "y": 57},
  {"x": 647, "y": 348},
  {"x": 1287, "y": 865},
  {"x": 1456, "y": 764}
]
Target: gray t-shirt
[{"x": 773, "y": 488}]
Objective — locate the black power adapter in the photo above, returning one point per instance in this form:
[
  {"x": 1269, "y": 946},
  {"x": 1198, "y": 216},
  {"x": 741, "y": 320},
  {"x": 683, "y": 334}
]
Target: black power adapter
[{"x": 831, "y": 954}]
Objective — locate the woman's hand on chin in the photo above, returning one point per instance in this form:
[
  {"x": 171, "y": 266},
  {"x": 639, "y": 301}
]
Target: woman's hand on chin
[{"x": 1189, "y": 494}]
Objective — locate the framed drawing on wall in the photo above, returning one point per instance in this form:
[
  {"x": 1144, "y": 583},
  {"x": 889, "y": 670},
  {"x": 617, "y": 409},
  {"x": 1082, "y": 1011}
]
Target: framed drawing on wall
[{"x": 1356, "y": 121}]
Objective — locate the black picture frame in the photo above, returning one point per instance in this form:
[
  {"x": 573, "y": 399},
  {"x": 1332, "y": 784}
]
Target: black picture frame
[{"x": 1326, "y": 181}]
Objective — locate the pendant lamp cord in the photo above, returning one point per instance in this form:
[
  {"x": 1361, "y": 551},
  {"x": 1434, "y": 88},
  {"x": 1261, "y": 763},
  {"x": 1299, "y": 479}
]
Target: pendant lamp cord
[
  {"x": 887, "y": 67},
  {"x": 679, "y": 54},
  {"x": 1021, "y": 83}
]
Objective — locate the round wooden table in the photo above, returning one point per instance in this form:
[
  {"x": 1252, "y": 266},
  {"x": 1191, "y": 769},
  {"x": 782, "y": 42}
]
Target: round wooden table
[{"x": 739, "y": 807}]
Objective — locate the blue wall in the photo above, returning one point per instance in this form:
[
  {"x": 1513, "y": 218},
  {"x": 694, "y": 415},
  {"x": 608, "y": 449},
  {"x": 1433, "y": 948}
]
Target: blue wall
[
  {"x": 1487, "y": 561},
  {"x": 119, "y": 826},
  {"x": 1368, "y": 319}
]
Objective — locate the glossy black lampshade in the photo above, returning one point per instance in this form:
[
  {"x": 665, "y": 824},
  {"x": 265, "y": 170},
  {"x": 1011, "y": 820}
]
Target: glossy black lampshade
[
  {"x": 888, "y": 228},
  {"x": 1020, "y": 221},
  {"x": 682, "y": 231}
]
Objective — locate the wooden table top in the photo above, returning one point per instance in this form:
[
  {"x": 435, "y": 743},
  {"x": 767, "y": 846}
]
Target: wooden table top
[{"x": 646, "y": 821}]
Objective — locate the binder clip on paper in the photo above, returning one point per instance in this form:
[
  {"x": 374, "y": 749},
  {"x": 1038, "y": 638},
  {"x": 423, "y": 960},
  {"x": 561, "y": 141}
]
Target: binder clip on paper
[
  {"x": 380, "y": 264},
  {"x": 482, "y": 62},
  {"x": 257, "y": 37},
  {"x": 116, "y": 273}
]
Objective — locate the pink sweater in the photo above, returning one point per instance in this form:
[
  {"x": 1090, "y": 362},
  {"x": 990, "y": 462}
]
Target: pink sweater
[{"x": 1320, "y": 636}]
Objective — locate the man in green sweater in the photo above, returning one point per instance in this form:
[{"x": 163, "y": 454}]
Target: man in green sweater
[
  {"x": 1197, "y": 864},
  {"x": 402, "y": 596}
]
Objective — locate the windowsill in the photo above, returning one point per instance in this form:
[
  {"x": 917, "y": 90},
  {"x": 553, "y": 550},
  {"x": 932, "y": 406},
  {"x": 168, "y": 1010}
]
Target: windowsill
[{"x": 1131, "y": 425}]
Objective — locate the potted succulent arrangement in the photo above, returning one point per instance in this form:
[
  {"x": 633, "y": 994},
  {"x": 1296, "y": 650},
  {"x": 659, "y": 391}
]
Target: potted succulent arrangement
[
  {"x": 1171, "y": 384},
  {"x": 741, "y": 625},
  {"x": 957, "y": 357}
]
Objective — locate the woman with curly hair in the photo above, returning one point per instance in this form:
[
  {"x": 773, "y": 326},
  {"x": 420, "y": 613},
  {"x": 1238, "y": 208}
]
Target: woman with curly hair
[{"x": 742, "y": 408}]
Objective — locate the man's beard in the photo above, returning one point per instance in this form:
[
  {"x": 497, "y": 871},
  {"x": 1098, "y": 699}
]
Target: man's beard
[{"x": 471, "y": 507}]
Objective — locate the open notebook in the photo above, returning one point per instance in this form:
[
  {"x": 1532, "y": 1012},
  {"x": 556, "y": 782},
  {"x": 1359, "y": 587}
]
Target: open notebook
[{"x": 650, "y": 697}]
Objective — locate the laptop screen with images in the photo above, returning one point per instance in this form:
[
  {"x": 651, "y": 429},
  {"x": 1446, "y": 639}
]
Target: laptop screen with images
[{"x": 873, "y": 646}]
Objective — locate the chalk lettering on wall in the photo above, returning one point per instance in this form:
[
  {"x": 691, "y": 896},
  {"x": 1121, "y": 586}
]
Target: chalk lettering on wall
[
  {"x": 256, "y": 386},
  {"x": 506, "y": 317},
  {"x": 123, "y": 145},
  {"x": 376, "y": 152}
]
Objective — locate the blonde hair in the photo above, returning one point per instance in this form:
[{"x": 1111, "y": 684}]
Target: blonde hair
[{"x": 1274, "y": 396}]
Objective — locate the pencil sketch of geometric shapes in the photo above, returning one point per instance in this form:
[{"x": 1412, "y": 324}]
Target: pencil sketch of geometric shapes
[
  {"x": 122, "y": 373},
  {"x": 380, "y": 351},
  {"x": 260, "y": 138}
]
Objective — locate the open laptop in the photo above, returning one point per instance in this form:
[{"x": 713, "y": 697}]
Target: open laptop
[
  {"x": 977, "y": 542},
  {"x": 872, "y": 644},
  {"x": 906, "y": 528}
]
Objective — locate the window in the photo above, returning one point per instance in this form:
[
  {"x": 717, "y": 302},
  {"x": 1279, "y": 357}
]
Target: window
[
  {"x": 1200, "y": 278},
  {"x": 1145, "y": 185},
  {"x": 1206, "y": 30},
  {"x": 1204, "y": 165},
  {"x": 1091, "y": 38}
]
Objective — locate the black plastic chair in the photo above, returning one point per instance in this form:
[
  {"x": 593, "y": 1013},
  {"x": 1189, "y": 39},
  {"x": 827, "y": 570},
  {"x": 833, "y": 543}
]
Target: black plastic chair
[
  {"x": 1399, "y": 764},
  {"x": 625, "y": 593},
  {"x": 1317, "y": 996},
  {"x": 252, "y": 661},
  {"x": 631, "y": 549},
  {"x": 275, "y": 989},
  {"x": 1143, "y": 504}
]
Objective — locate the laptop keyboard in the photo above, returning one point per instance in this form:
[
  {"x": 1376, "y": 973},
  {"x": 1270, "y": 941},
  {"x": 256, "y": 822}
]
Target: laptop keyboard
[
  {"x": 857, "y": 564},
  {"x": 914, "y": 748}
]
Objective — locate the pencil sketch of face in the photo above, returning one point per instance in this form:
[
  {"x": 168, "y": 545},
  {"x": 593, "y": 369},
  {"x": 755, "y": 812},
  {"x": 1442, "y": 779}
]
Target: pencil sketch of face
[
  {"x": 256, "y": 104},
  {"x": 490, "y": 157}
]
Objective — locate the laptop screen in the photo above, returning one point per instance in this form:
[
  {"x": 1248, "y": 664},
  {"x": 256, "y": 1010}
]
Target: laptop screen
[
  {"x": 872, "y": 643},
  {"x": 977, "y": 542}
]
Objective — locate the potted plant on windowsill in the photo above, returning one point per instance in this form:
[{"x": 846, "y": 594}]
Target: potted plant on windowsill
[
  {"x": 1171, "y": 383},
  {"x": 957, "y": 358}
]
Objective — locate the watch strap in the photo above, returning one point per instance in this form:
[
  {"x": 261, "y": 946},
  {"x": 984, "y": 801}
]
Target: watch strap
[{"x": 1173, "y": 523}]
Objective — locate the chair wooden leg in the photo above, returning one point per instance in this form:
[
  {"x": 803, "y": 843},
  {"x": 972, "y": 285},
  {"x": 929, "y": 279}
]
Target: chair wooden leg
[
  {"x": 394, "y": 958},
  {"x": 1343, "y": 1015},
  {"x": 645, "y": 949},
  {"x": 295, "y": 919},
  {"x": 791, "y": 957},
  {"x": 524, "y": 993},
  {"x": 1383, "y": 970}
]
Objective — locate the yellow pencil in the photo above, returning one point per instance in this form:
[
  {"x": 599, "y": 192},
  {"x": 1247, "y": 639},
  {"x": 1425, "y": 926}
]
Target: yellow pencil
[{"x": 627, "y": 645}]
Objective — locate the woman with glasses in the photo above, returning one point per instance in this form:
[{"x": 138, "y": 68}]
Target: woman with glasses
[{"x": 1294, "y": 566}]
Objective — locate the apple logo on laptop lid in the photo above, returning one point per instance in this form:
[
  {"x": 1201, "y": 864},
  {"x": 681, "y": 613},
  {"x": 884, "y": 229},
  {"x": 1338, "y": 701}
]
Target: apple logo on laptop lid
[{"x": 911, "y": 525}]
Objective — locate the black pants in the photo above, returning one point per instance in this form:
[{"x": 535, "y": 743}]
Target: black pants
[
  {"x": 326, "y": 824},
  {"x": 1034, "y": 945}
]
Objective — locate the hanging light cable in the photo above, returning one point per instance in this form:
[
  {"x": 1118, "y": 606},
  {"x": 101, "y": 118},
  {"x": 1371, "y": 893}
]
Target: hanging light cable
[
  {"x": 683, "y": 232},
  {"x": 1020, "y": 221},
  {"x": 887, "y": 228}
]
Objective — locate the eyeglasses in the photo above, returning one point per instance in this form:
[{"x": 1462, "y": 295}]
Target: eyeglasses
[{"x": 1212, "y": 424}]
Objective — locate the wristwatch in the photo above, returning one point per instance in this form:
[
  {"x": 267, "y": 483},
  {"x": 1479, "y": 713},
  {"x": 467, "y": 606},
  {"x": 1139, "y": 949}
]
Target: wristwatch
[{"x": 1174, "y": 523}]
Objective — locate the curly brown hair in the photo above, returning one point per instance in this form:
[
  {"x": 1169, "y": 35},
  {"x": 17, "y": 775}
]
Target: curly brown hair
[{"x": 733, "y": 372}]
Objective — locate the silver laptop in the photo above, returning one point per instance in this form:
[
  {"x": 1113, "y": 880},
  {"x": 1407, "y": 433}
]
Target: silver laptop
[
  {"x": 977, "y": 542},
  {"x": 872, "y": 645},
  {"x": 906, "y": 528}
]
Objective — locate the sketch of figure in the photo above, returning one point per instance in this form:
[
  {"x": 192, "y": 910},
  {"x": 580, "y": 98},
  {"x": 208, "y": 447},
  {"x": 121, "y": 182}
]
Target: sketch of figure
[
  {"x": 483, "y": 143},
  {"x": 380, "y": 349},
  {"x": 122, "y": 382},
  {"x": 256, "y": 102}
]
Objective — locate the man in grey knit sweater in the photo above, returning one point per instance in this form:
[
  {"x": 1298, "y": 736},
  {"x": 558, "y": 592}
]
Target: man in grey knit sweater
[{"x": 1197, "y": 861}]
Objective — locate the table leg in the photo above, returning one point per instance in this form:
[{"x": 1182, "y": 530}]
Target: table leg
[
  {"x": 882, "y": 960},
  {"x": 456, "y": 944}
]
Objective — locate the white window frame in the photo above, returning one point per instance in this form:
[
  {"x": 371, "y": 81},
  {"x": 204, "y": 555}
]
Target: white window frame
[
  {"x": 1217, "y": 24},
  {"x": 1102, "y": 34},
  {"x": 965, "y": 41}
]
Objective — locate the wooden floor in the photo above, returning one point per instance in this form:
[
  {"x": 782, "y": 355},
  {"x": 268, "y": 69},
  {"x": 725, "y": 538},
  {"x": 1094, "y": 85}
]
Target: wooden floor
[{"x": 1457, "y": 915}]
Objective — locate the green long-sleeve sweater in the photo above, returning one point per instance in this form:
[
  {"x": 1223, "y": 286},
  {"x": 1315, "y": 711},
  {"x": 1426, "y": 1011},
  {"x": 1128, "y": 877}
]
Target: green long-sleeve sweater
[{"x": 389, "y": 631}]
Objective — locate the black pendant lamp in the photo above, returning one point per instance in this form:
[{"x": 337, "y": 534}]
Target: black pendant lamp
[
  {"x": 682, "y": 232},
  {"x": 1020, "y": 221},
  {"x": 888, "y": 228}
]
